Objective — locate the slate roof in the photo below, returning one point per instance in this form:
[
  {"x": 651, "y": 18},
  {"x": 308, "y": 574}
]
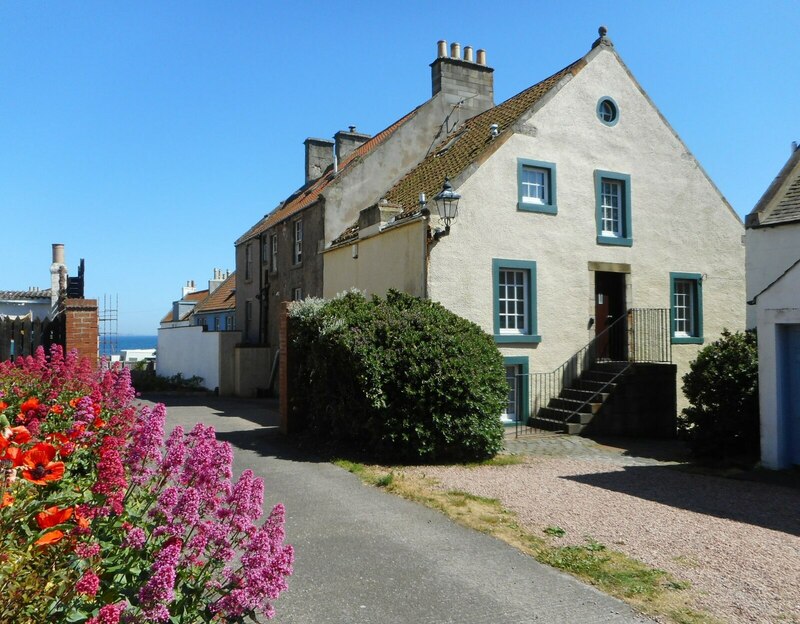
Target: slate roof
[
  {"x": 309, "y": 194},
  {"x": 223, "y": 298},
  {"x": 12, "y": 295},
  {"x": 787, "y": 210},
  {"x": 197, "y": 295},
  {"x": 462, "y": 147}
]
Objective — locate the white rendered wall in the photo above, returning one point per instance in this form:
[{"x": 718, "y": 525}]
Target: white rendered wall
[
  {"x": 680, "y": 221},
  {"x": 189, "y": 351},
  {"x": 770, "y": 252},
  {"x": 394, "y": 259},
  {"x": 777, "y": 306}
]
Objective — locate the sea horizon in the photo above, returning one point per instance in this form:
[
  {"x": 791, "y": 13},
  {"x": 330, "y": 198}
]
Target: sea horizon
[{"x": 113, "y": 345}]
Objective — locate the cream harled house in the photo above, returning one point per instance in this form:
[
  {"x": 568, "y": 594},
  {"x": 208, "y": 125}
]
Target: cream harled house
[{"x": 589, "y": 242}]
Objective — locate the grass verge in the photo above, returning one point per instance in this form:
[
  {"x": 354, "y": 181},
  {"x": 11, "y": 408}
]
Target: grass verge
[{"x": 649, "y": 590}]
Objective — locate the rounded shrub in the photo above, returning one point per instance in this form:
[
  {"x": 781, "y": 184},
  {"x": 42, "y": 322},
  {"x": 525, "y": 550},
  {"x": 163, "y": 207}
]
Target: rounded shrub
[
  {"x": 400, "y": 378},
  {"x": 722, "y": 389}
]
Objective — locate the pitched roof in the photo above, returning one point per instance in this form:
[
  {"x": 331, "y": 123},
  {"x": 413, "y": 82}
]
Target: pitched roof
[
  {"x": 787, "y": 209},
  {"x": 462, "y": 147},
  {"x": 12, "y": 295},
  {"x": 197, "y": 295},
  {"x": 467, "y": 143},
  {"x": 223, "y": 298},
  {"x": 307, "y": 195}
]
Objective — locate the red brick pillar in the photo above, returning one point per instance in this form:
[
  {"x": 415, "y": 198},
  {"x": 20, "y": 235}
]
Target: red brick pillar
[
  {"x": 283, "y": 366},
  {"x": 82, "y": 327}
]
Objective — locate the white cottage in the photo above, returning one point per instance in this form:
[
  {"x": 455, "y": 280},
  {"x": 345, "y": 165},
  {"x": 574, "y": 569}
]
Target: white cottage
[
  {"x": 773, "y": 297},
  {"x": 589, "y": 242}
]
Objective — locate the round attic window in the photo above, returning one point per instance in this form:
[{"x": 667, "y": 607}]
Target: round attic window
[{"x": 607, "y": 111}]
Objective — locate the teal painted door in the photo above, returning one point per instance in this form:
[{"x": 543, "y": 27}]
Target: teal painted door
[{"x": 789, "y": 389}]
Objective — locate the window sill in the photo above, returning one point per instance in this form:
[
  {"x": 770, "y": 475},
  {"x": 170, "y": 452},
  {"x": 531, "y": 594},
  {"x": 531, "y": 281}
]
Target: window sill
[
  {"x": 615, "y": 240},
  {"x": 517, "y": 338},
  {"x": 687, "y": 340},
  {"x": 543, "y": 208}
]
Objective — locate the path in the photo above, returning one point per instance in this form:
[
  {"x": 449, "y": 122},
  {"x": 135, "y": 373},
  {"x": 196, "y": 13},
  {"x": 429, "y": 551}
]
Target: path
[{"x": 367, "y": 557}]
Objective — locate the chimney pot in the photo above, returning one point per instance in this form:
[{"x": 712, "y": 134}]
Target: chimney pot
[
  {"x": 455, "y": 50},
  {"x": 468, "y": 54},
  {"x": 58, "y": 253},
  {"x": 481, "y": 57},
  {"x": 442, "y": 48}
]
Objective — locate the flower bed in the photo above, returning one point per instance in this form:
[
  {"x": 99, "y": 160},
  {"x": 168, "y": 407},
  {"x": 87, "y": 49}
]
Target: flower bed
[{"x": 102, "y": 520}]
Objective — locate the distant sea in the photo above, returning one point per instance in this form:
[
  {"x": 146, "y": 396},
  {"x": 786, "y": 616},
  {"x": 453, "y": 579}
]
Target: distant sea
[{"x": 130, "y": 342}]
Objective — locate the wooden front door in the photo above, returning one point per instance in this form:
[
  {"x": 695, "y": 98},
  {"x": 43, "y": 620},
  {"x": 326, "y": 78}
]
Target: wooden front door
[{"x": 610, "y": 305}]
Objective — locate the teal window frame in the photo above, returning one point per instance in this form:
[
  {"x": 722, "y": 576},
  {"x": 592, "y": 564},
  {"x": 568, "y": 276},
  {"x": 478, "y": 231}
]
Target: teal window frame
[
  {"x": 626, "y": 240},
  {"x": 524, "y": 400},
  {"x": 532, "y": 336},
  {"x": 697, "y": 278},
  {"x": 599, "y": 110},
  {"x": 551, "y": 206}
]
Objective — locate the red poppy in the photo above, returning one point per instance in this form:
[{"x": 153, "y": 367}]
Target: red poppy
[
  {"x": 99, "y": 423},
  {"x": 14, "y": 455},
  {"x": 49, "y": 538},
  {"x": 3, "y": 442},
  {"x": 7, "y": 500},
  {"x": 31, "y": 404},
  {"x": 18, "y": 435},
  {"x": 57, "y": 409},
  {"x": 83, "y": 521},
  {"x": 39, "y": 465},
  {"x": 3, "y": 405},
  {"x": 77, "y": 431},
  {"x": 65, "y": 446},
  {"x": 52, "y": 516}
]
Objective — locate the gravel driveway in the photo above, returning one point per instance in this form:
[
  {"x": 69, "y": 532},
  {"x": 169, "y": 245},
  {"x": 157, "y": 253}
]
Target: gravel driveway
[{"x": 736, "y": 542}]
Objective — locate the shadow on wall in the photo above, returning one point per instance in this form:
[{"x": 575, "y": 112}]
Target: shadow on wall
[{"x": 765, "y": 505}]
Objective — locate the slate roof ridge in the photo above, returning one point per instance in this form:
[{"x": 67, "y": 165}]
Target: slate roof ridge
[
  {"x": 468, "y": 142},
  {"x": 309, "y": 193},
  {"x": 788, "y": 208},
  {"x": 197, "y": 295},
  {"x": 25, "y": 294}
]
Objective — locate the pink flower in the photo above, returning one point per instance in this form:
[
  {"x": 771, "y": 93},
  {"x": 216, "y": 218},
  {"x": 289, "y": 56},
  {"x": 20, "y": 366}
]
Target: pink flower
[
  {"x": 144, "y": 449},
  {"x": 88, "y": 584},
  {"x": 111, "y": 475},
  {"x": 135, "y": 538},
  {"x": 158, "y": 592},
  {"x": 109, "y": 614},
  {"x": 87, "y": 550}
]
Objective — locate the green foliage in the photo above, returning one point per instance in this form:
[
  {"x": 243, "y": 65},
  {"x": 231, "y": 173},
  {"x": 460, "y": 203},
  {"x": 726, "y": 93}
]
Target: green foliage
[
  {"x": 400, "y": 378},
  {"x": 722, "y": 388}
]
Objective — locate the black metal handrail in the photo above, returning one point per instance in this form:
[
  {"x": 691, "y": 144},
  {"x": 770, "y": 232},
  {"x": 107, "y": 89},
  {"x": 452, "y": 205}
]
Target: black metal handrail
[{"x": 640, "y": 335}]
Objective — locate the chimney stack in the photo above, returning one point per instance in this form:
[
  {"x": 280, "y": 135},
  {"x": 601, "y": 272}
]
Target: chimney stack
[
  {"x": 58, "y": 275},
  {"x": 347, "y": 141},
  {"x": 188, "y": 289},
  {"x": 216, "y": 281},
  {"x": 462, "y": 79},
  {"x": 319, "y": 156}
]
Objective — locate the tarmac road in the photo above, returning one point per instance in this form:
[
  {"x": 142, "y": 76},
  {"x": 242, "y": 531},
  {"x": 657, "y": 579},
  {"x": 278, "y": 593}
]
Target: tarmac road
[{"x": 363, "y": 556}]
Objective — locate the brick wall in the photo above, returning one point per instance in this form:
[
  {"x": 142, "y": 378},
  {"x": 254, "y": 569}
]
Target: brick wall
[{"x": 82, "y": 333}]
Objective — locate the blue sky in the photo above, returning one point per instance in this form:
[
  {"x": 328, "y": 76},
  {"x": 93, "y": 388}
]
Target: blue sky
[{"x": 147, "y": 136}]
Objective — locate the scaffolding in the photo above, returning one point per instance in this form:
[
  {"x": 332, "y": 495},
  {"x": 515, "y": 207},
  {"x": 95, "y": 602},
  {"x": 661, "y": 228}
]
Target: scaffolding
[{"x": 109, "y": 331}]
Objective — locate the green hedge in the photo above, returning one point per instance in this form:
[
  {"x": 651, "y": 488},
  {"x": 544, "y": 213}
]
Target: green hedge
[
  {"x": 722, "y": 388},
  {"x": 401, "y": 378}
]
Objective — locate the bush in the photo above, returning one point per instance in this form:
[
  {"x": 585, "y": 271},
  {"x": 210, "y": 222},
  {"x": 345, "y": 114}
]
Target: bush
[
  {"x": 401, "y": 377},
  {"x": 722, "y": 388}
]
